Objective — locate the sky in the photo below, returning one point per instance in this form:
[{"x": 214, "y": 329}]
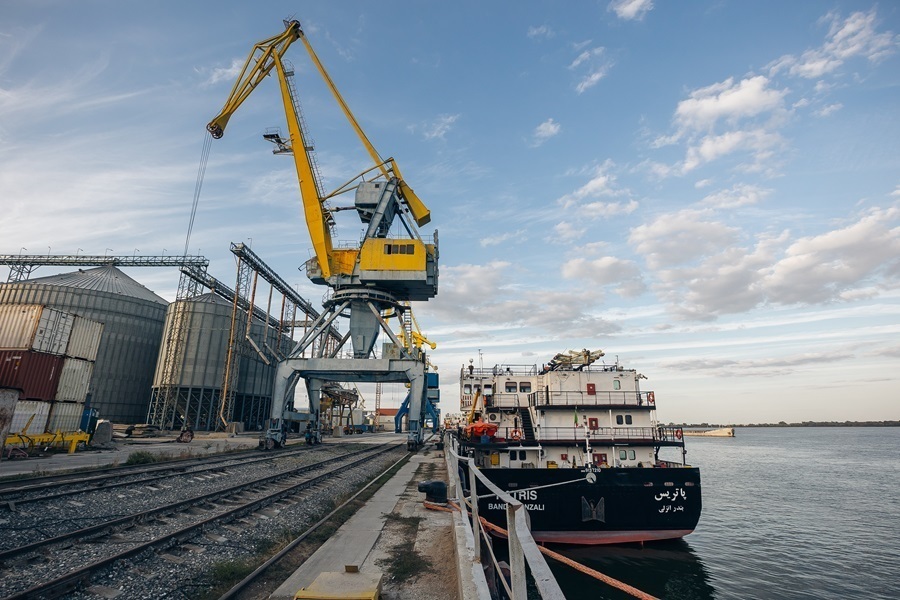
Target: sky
[{"x": 708, "y": 191}]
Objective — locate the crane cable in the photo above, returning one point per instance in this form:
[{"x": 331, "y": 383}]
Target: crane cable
[
  {"x": 620, "y": 585},
  {"x": 201, "y": 172}
]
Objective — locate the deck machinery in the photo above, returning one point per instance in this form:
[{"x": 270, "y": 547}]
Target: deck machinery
[{"x": 369, "y": 282}]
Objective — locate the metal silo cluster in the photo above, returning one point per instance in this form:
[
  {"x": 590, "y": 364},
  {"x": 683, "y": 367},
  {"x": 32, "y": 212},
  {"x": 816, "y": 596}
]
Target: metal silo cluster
[{"x": 203, "y": 357}]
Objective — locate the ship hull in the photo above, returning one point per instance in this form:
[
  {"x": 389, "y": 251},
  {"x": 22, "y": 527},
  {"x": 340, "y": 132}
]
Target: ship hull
[{"x": 599, "y": 506}]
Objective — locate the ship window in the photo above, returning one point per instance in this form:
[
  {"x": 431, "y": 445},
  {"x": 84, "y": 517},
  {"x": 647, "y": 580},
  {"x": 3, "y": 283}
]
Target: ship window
[
  {"x": 622, "y": 455},
  {"x": 510, "y": 386},
  {"x": 617, "y": 385},
  {"x": 488, "y": 389},
  {"x": 514, "y": 455},
  {"x": 525, "y": 387},
  {"x": 410, "y": 249},
  {"x": 619, "y": 419},
  {"x": 631, "y": 455},
  {"x": 628, "y": 419},
  {"x": 467, "y": 389},
  {"x": 477, "y": 388},
  {"x": 387, "y": 248}
]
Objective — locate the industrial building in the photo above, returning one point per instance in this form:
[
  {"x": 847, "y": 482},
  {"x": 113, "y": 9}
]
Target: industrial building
[{"x": 157, "y": 363}]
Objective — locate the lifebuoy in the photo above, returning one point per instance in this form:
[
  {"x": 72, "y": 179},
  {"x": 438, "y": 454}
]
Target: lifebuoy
[
  {"x": 516, "y": 435},
  {"x": 678, "y": 433},
  {"x": 651, "y": 397}
]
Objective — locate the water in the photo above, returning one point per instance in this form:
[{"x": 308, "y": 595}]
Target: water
[{"x": 788, "y": 513}]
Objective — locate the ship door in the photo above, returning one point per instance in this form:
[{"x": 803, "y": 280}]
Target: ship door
[
  {"x": 600, "y": 459},
  {"x": 516, "y": 457}
]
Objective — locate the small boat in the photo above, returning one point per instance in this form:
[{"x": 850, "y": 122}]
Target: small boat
[
  {"x": 578, "y": 443},
  {"x": 722, "y": 432}
]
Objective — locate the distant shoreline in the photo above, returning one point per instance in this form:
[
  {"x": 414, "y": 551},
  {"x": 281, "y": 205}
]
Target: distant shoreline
[{"x": 803, "y": 424}]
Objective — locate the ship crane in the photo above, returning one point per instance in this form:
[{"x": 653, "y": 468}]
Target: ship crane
[{"x": 368, "y": 281}]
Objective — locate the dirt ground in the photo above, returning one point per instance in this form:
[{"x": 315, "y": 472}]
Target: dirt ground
[{"x": 416, "y": 550}]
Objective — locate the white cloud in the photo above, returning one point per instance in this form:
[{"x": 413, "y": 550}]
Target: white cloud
[
  {"x": 566, "y": 232},
  {"x": 852, "y": 37},
  {"x": 497, "y": 239},
  {"x": 602, "y": 183},
  {"x": 702, "y": 273},
  {"x": 739, "y": 195},
  {"x": 609, "y": 209},
  {"x": 819, "y": 268},
  {"x": 680, "y": 237},
  {"x": 727, "y": 100},
  {"x": 545, "y": 131},
  {"x": 758, "y": 142},
  {"x": 489, "y": 295},
  {"x": 542, "y": 31},
  {"x": 607, "y": 270},
  {"x": 829, "y": 110},
  {"x": 630, "y": 9},
  {"x": 440, "y": 127},
  {"x": 228, "y": 73},
  {"x": 596, "y": 65}
]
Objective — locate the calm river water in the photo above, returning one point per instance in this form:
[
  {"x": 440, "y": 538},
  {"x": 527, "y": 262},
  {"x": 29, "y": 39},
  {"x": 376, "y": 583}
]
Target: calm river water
[{"x": 787, "y": 513}]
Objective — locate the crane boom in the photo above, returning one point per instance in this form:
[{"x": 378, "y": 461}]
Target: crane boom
[
  {"x": 265, "y": 56},
  {"x": 332, "y": 266}
]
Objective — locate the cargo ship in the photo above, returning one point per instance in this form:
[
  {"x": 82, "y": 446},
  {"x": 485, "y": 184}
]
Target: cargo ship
[{"x": 577, "y": 441}]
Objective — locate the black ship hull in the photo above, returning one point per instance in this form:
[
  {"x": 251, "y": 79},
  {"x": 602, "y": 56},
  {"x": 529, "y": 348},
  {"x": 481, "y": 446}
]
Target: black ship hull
[{"x": 599, "y": 506}]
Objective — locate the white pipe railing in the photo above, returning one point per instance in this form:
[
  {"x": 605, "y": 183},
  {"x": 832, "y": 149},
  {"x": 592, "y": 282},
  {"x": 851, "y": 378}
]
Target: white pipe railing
[{"x": 522, "y": 547}]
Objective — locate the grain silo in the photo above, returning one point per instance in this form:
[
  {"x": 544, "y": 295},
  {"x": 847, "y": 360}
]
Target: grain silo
[
  {"x": 198, "y": 378},
  {"x": 133, "y": 319}
]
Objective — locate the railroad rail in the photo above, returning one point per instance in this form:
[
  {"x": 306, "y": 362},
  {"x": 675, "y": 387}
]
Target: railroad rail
[
  {"x": 113, "y": 478},
  {"x": 228, "y": 504}
]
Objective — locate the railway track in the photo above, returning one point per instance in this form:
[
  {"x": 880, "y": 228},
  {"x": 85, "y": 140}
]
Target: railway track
[
  {"x": 41, "y": 489},
  {"x": 115, "y": 540}
]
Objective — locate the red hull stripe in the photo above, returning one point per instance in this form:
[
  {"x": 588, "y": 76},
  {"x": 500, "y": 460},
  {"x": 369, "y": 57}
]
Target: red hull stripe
[{"x": 594, "y": 538}]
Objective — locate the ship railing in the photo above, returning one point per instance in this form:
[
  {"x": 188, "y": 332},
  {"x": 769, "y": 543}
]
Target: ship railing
[
  {"x": 543, "y": 398},
  {"x": 504, "y": 400},
  {"x": 499, "y": 370},
  {"x": 623, "y": 434},
  {"x": 523, "y": 550}
]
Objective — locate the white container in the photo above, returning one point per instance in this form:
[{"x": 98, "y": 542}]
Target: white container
[
  {"x": 74, "y": 380},
  {"x": 53, "y": 331},
  {"x": 24, "y": 411},
  {"x": 65, "y": 417},
  {"x": 84, "y": 340},
  {"x": 34, "y": 327}
]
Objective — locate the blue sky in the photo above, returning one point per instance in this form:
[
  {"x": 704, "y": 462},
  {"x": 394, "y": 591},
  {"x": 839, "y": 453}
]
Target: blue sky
[{"x": 708, "y": 191}]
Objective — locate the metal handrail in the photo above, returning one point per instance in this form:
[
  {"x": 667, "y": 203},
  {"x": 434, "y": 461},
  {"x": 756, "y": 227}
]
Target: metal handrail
[
  {"x": 522, "y": 547},
  {"x": 545, "y": 398}
]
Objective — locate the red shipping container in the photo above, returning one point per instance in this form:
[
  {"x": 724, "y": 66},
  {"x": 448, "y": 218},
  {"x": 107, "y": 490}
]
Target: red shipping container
[{"x": 35, "y": 373}]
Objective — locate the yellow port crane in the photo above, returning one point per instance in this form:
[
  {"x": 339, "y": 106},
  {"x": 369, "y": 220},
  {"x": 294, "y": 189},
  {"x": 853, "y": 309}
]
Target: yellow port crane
[
  {"x": 368, "y": 281},
  {"x": 404, "y": 267}
]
